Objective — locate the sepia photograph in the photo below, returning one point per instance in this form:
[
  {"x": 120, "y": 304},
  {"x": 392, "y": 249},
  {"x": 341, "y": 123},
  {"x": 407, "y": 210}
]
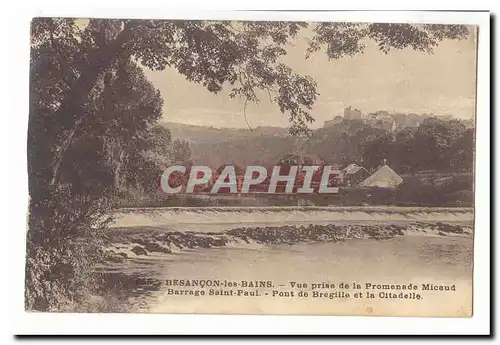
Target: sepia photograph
[{"x": 181, "y": 166}]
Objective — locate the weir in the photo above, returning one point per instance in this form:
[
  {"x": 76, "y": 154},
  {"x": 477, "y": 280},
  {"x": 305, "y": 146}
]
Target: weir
[{"x": 224, "y": 218}]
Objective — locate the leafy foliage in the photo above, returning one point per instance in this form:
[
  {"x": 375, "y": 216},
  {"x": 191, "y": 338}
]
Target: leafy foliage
[
  {"x": 435, "y": 144},
  {"x": 348, "y": 39},
  {"x": 65, "y": 239}
]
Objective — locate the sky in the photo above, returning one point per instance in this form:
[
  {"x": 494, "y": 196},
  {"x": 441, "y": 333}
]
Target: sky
[{"x": 407, "y": 81}]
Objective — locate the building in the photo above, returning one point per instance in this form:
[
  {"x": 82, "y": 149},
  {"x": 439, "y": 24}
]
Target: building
[
  {"x": 353, "y": 174},
  {"x": 352, "y": 114},
  {"x": 382, "y": 120},
  {"x": 384, "y": 177},
  {"x": 240, "y": 175}
]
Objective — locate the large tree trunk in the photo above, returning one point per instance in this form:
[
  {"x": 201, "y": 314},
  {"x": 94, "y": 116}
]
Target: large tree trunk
[
  {"x": 62, "y": 150},
  {"x": 70, "y": 113}
]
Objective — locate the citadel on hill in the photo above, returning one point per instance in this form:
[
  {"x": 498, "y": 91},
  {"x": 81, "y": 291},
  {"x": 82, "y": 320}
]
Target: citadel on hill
[{"x": 386, "y": 120}]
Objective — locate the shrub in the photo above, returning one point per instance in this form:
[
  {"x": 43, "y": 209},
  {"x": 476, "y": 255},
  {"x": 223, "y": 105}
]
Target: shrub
[{"x": 65, "y": 240}]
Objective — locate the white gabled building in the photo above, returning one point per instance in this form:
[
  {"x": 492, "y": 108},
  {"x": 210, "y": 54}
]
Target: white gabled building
[{"x": 384, "y": 177}]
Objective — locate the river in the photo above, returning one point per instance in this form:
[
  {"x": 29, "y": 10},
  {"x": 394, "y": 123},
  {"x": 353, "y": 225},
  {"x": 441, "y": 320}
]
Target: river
[{"x": 418, "y": 258}]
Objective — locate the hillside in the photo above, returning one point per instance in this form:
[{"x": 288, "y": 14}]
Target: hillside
[
  {"x": 203, "y": 134},
  {"x": 435, "y": 144},
  {"x": 216, "y": 146}
]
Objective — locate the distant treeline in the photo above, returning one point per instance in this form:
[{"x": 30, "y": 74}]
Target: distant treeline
[{"x": 435, "y": 144}]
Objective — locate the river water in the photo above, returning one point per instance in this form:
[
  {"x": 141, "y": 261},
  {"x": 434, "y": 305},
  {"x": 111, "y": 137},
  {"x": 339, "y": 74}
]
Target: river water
[{"x": 413, "y": 258}]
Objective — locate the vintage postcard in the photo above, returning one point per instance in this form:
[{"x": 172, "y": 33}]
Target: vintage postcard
[{"x": 251, "y": 167}]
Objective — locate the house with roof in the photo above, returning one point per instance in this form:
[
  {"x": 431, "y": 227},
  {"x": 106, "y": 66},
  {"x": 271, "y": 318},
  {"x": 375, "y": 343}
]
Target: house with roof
[
  {"x": 384, "y": 177},
  {"x": 353, "y": 174},
  {"x": 240, "y": 175}
]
